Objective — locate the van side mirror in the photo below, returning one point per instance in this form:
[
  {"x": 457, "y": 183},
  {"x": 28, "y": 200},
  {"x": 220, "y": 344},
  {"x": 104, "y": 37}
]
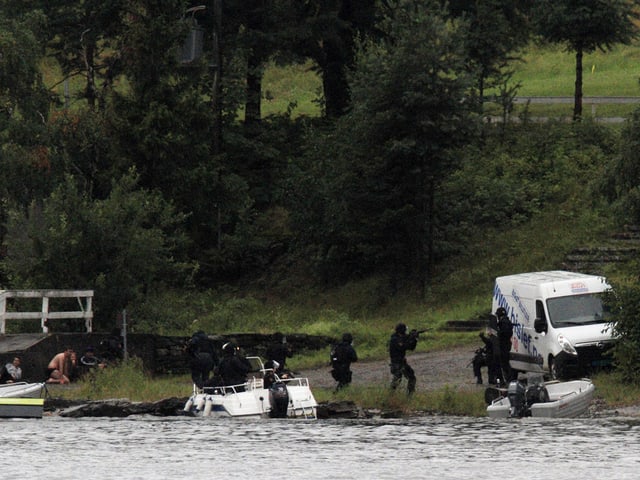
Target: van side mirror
[{"x": 540, "y": 325}]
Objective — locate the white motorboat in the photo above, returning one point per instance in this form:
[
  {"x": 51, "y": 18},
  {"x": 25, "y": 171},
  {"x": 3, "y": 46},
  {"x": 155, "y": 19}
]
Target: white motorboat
[
  {"x": 21, "y": 400},
  {"x": 21, "y": 390},
  {"x": 282, "y": 398},
  {"x": 549, "y": 399}
]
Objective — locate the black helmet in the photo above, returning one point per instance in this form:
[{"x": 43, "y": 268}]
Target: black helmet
[
  {"x": 229, "y": 348},
  {"x": 501, "y": 312},
  {"x": 347, "y": 338},
  {"x": 401, "y": 328}
]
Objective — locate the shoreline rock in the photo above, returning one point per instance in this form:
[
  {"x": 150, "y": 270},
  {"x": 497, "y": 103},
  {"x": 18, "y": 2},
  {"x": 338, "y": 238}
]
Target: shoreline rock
[
  {"x": 119, "y": 408},
  {"x": 173, "y": 407}
]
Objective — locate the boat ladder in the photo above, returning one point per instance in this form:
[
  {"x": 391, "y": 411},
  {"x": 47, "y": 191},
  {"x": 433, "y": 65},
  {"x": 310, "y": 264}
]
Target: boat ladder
[{"x": 308, "y": 409}]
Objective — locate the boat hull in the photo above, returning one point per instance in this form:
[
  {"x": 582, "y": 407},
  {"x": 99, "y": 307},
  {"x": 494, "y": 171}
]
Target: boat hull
[
  {"x": 566, "y": 399},
  {"x": 291, "y": 397},
  {"x": 252, "y": 402},
  {"x": 11, "y": 407}
]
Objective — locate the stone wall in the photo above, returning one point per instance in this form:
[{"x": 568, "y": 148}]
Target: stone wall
[{"x": 159, "y": 354}]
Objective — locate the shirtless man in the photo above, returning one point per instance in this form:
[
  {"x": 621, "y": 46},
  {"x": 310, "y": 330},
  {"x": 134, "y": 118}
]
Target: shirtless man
[{"x": 61, "y": 366}]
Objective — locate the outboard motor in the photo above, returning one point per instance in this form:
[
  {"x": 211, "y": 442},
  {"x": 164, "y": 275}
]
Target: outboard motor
[
  {"x": 279, "y": 400},
  {"x": 517, "y": 398}
]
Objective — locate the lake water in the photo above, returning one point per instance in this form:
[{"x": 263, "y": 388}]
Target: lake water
[{"x": 426, "y": 447}]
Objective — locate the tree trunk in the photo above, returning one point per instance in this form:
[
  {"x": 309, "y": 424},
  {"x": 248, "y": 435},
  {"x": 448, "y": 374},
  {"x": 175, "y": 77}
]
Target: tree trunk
[
  {"x": 252, "y": 109},
  {"x": 216, "y": 94},
  {"x": 334, "y": 82},
  {"x": 90, "y": 88},
  {"x": 577, "y": 106}
]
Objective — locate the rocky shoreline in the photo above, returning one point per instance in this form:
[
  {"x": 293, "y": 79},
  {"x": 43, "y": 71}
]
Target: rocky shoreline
[
  {"x": 172, "y": 407},
  {"x": 169, "y": 407}
]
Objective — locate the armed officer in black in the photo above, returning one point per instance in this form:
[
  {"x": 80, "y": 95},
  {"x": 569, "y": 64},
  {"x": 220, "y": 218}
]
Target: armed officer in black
[
  {"x": 342, "y": 356},
  {"x": 505, "y": 332},
  {"x": 399, "y": 343},
  {"x": 277, "y": 354},
  {"x": 202, "y": 357},
  {"x": 233, "y": 368}
]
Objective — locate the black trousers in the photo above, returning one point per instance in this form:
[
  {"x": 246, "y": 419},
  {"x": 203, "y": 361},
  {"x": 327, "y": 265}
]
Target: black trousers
[{"x": 399, "y": 370}]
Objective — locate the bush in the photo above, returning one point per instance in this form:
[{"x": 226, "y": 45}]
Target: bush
[{"x": 625, "y": 305}]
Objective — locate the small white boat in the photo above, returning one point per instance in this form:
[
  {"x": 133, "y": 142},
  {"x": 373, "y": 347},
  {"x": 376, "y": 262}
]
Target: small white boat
[
  {"x": 549, "y": 399},
  {"x": 284, "y": 398},
  {"x": 21, "y": 390},
  {"x": 21, "y": 400}
]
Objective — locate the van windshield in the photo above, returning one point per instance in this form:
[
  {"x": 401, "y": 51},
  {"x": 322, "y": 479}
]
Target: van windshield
[{"x": 576, "y": 310}]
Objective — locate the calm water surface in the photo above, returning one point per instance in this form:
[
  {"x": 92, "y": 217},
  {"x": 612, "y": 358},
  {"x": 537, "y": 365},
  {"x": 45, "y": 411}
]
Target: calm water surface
[{"x": 205, "y": 448}]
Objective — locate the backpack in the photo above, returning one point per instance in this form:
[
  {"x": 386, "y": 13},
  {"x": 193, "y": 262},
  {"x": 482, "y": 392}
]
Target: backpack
[
  {"x": 339, "y": 355},
  {"x": 505, "y": 328},
  {"x": 196, "y": 343}
]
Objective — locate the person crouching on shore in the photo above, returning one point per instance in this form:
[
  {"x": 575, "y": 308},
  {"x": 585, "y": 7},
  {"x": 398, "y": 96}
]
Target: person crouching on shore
[{"x": 61, "y": 367}]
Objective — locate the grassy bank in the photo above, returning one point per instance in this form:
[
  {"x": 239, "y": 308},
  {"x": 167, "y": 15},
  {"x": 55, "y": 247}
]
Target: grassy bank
[
  {"x": 550, "y": 71},
  {"x": 543, "y": 71},
  {"x": 129, "y": 381}
]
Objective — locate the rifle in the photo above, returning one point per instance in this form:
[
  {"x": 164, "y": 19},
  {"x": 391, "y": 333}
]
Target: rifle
[{"x": 416, "y": 332}]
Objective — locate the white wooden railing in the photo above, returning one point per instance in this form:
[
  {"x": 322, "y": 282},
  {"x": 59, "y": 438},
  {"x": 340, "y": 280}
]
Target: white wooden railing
[{"x": 84, "y": 298}]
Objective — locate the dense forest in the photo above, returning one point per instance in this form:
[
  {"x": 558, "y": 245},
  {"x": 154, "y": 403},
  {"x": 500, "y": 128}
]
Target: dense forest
[{"x": 164, "y": 173}]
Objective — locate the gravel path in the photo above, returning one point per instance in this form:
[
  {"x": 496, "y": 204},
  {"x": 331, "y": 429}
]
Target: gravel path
[{"x": 434, "y": 370}]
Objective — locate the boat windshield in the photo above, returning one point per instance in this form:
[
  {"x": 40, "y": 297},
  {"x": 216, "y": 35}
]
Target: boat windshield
[{"x": 577, "y": 310}]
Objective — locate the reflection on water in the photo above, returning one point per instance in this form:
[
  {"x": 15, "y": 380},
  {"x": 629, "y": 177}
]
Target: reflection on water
[{"x": 207, "y": 448}]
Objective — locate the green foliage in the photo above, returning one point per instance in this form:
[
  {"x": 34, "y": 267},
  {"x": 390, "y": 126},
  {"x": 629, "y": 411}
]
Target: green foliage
[
  {"x": 77, "y": 143},
  {"x": 128, "y": 380},
  {"x": 291, "y": 87},
  {"x": 213, "y": 312},
  {"x": 120, "y": 246},
  {"x": 625, "y": 307},
  {"x": 383, "y": 165},
  {"x": 497, "y": 30},
  {"x": 621, "y": 183},
  {"x": 22, "y": 95},
  {"x": 447, "y": 401},
  {"x": 513, "y": 177},
  {"x": 584, "y": 26},
  {"x": 615, "y": 389},
  {"x": 81, "y": 36},
  {"x": 550, "y": 70}
]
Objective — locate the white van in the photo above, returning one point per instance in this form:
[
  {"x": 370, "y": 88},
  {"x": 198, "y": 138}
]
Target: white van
[{"x": 559, "y": 325}]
